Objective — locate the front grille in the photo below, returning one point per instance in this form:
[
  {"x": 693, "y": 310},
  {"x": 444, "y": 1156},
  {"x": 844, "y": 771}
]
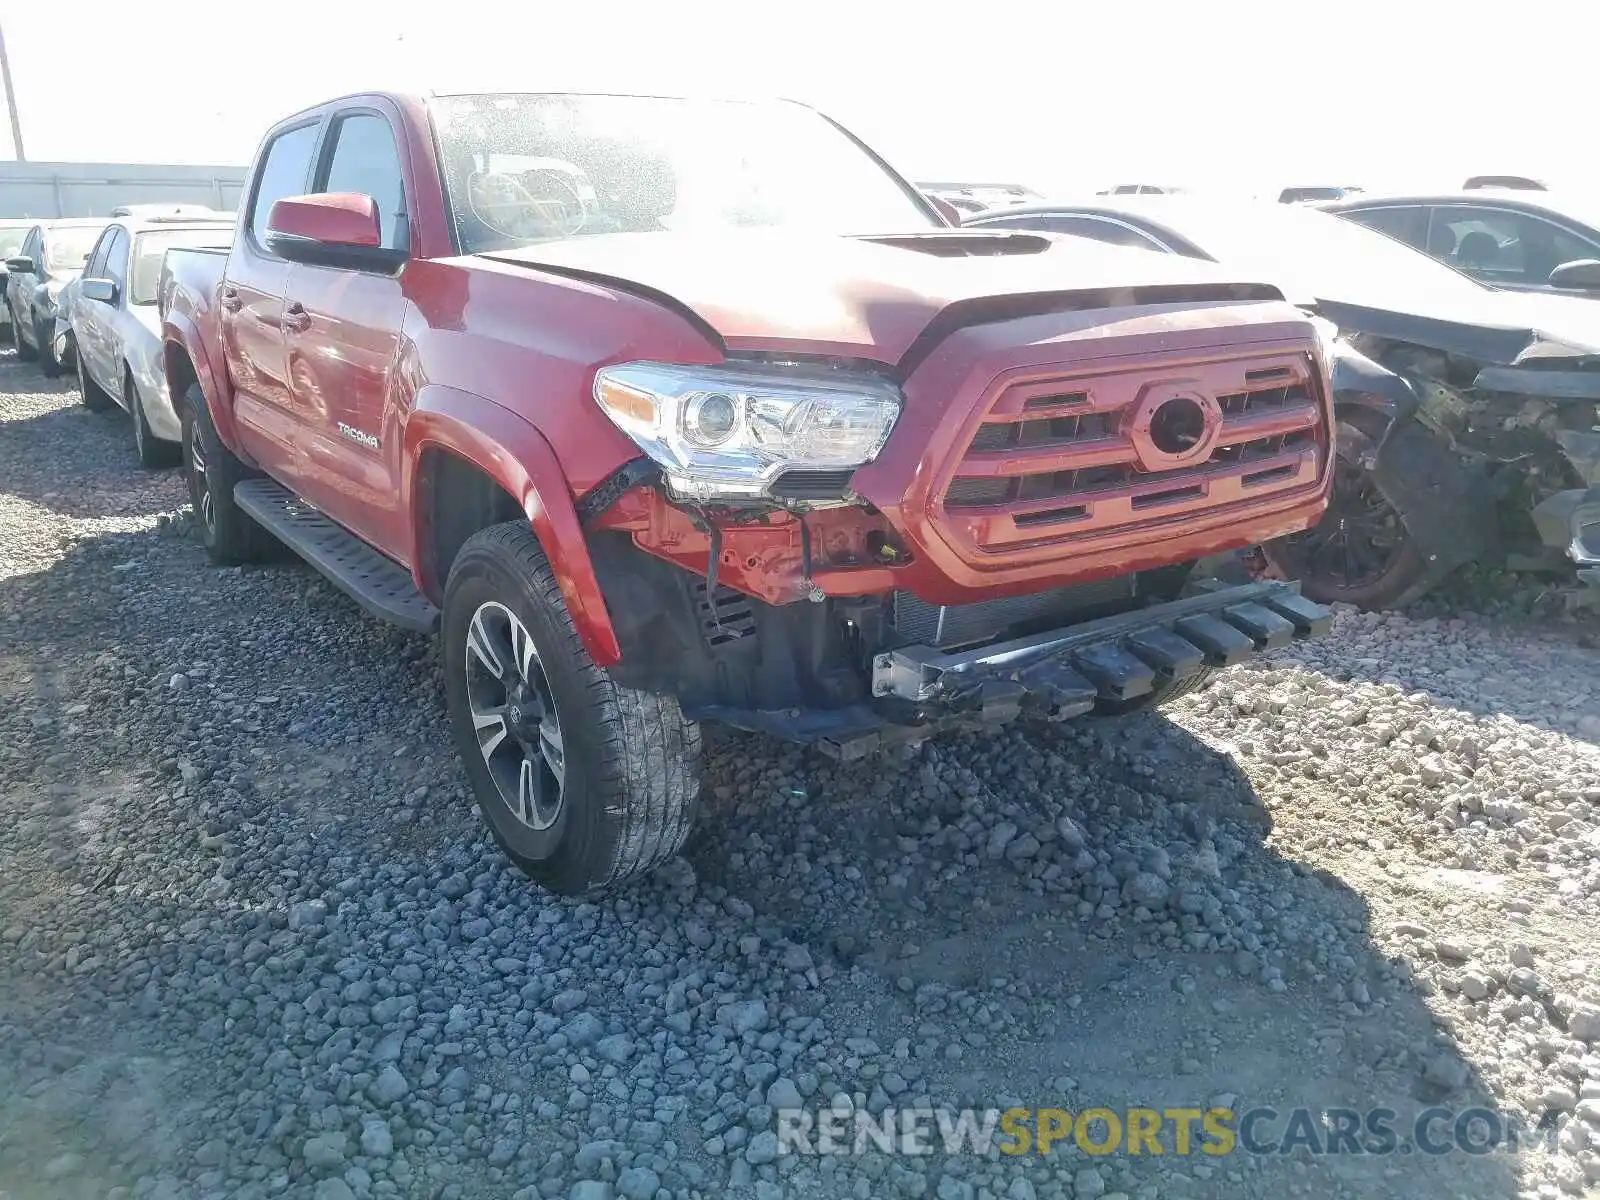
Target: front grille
[
  {"x": 916, "y": 622},
  {"x": 1055, "y": 457}
]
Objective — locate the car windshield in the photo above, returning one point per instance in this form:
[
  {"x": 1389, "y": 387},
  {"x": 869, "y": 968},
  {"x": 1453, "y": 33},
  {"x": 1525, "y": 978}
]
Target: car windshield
[
  {"x": 150, "y": 249},
  {"x": 522, "y": 169},
  {"x": 1311, "y": 255},
  {"x": 11, "y": 239},
  {"x": 67, "y": 248}
]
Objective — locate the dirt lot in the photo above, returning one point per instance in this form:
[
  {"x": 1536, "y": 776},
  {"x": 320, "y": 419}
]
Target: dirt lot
[{"x": 254, "y": 942}]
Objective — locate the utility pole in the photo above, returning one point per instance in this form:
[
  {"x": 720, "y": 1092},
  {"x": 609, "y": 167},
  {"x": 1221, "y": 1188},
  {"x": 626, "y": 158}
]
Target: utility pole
[{"x": 11, "y": 101}]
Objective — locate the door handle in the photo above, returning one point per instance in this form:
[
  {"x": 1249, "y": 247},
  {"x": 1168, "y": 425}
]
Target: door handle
[
  {"x": 230, "y": 299},
  {"x": 296, "y": 319}
]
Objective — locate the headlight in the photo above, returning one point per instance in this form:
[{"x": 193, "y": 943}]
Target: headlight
[{"x": 728, "y": 432}]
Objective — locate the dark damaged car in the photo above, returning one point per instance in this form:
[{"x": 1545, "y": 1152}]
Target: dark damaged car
[{"x": 1467, "y": 415}]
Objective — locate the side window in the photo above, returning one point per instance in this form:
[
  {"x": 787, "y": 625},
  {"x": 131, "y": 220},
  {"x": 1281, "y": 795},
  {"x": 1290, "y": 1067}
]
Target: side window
[
  {"x": 1501, "y": 246},
  {"x": 117, "y": 258},
  {"x": 1405, "y": 224},
  {"x": 285, "y": 169},
  {"x": 95, "y": 268},
  {"x": 364, "y": 159}
]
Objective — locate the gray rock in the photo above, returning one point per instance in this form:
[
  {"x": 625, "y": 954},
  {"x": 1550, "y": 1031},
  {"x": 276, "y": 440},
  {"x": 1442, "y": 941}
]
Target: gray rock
[
  {"x": 453, "y": 887},
  {"x": 389, "y": 1086},
  {"x": 784, "y": 1094},
  {"x": 617, "y": 1048},
  {"x": 307, "y": 914},
  {"x": 564, "y": 1002},
  {"x": 638, "y": 1183},
  {"x": 1584, "y": 1023},
  {"x": 592, "y": 1189},
  {"x": 333, "y": 1189},
  {"x": 1447, "y": 1071},
  {"x": 585, "y": 1029},
  {"x": 326, "y": 1152},
  {"x": 376, "y": 1140},
  {"x": 744, "y": 1016},
  {"x": 1088, "y": 1183},
  {"x": 1147, "y": 889},
  {"x": 763, "y": 1148}
]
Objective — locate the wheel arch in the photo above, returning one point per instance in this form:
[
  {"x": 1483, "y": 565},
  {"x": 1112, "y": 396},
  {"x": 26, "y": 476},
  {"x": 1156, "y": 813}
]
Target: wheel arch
[{"x": 484, "y": 464}]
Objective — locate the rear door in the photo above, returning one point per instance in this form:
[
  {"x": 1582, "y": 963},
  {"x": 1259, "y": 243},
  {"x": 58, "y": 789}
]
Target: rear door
[
  {"x": 252, "y": 303},
  {"x": 99, "y": 346},
  {"x": 83, "y": 314},
  {"x": 343, "y": 339}
]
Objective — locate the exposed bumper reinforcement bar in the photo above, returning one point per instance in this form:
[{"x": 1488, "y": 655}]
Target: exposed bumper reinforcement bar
[{"x": 1066, "y": 671}]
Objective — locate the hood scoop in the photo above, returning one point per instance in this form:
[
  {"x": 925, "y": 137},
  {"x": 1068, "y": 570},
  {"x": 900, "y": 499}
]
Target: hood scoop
[{"x": 966, "y": 243}]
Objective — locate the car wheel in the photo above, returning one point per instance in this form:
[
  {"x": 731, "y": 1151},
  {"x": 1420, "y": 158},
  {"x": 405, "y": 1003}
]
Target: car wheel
[
  {"x": 25, "y": 352},
  {"x": 154, "y": 454},
  {"x": 1360, "y": 553},
  {"x": 95, "y": 398},
  {"x": 211, "y": 470},
  {"x": 582, "y": 782},
  {"x": 44, "y": 340}
]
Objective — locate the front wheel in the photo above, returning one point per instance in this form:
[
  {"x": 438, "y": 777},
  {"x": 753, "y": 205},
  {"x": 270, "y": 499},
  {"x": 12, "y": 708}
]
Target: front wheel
[
  {"x": 582, "y": 782},
  {"x": 1360, "y": 553}
]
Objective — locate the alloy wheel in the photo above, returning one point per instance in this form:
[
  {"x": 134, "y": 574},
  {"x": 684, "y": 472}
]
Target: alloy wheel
[
  {"x": 200, "y": 482},
  {"x": 514, "y": 715}
]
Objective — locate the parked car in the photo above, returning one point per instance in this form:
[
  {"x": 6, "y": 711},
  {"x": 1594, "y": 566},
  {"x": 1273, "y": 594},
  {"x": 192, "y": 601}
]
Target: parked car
[
  {"x": 1306, "y": 195},
  {"x": 1540, "y": 243},
  {"x": 107, "y": 325},
  {"x": 1141, "y": 189},
  {"x": 52, "y": 255},
  {"x": 1519, "y": 183},
  {"x": 652, "y": 438},
  {"x": 1467, "y": 415},
  {"x": 12, "y": 233},
  {"x": 979, "y": 197}
]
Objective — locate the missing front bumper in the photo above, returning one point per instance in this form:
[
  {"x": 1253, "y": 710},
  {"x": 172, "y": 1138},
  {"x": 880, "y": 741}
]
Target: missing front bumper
[{"x": 1065, "y": 672}]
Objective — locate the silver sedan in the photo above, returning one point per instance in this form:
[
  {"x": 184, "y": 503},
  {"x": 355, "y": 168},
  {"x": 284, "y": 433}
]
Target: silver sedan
[{"x": 110, "y": 324}]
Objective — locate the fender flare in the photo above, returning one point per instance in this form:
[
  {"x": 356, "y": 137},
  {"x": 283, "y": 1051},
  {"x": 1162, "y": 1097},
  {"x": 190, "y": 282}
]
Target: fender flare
[
  {"x": 178, "y": 329},
  {"x": 515, "y": 455}
]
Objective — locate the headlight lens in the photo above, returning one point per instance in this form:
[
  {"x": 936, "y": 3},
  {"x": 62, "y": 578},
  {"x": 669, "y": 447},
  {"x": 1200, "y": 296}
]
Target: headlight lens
[{"x": 727, "y": 431}]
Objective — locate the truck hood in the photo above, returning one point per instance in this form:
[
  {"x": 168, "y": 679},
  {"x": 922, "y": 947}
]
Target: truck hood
[{"x": 873, "y": 297}]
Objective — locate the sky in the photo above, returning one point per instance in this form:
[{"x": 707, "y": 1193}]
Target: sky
[{"x": 1227, "y": 95}]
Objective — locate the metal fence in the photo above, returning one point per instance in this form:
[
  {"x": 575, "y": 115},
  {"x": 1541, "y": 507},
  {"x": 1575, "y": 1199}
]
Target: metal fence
[{"x": 47, "y": 189}]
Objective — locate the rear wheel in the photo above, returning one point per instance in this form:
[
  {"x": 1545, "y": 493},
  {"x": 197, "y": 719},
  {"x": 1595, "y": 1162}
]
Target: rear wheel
[
  {"x": 44, "y": 340},
  {"x": 582, "y": 782},
  {"x": 25, "y": 351},
  {"x": 1360, "y": 552},
  {"x": 154, "y": 454},
  {"x": 211, "y": 470}
]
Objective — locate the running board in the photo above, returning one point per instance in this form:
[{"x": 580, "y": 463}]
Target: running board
[{"x": 380, "y": 585}]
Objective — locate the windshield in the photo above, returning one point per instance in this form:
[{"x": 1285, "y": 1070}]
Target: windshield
[
  {"x": 151, "y": 249},
  {"x": 521, "y": 169},
  {"x": 67, "y": 248},
  {"x": 1312, "y": 255},
  {"x": 11, "y": 239}
]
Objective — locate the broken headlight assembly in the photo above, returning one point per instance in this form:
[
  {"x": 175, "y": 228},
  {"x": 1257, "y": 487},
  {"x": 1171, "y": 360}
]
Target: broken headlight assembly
[{"x": 726, "y": 432}]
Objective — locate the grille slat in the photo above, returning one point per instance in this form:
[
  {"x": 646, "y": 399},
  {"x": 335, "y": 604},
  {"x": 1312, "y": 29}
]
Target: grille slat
[{"x": 1028, "y": 471}]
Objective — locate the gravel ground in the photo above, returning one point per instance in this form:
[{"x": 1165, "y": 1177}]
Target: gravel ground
[{"x": 254, "y": 942}]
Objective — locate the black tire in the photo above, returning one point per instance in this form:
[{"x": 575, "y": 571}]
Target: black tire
[
  {"x": 154, "y": 454},
  {"x": 25, "y": 352},
  {"x": 95, "y": 398},
  {"x": 1163, "y": 693},
  {"x": 1321, "y": 557},
  {"x": 629, "y": 786},
  {"x": 45, "y": 339},
  {"x": 231, "y": 537}
]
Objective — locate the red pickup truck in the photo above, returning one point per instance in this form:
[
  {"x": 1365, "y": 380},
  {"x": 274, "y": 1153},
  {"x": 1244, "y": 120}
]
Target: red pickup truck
[{"x": 595, "y": 386}]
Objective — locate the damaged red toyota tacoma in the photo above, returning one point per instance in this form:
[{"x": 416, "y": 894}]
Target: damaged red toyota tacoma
[{"x": 597, "y": 387}]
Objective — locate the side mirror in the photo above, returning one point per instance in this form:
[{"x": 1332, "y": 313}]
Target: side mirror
[
  {"x": 331, "y": 229},
  {"x": 1581, "y": 274},
  {"x": 103, "y": 290},
  {"x": 20, "y": 264},
  {"x": 948, "y": 211}
]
